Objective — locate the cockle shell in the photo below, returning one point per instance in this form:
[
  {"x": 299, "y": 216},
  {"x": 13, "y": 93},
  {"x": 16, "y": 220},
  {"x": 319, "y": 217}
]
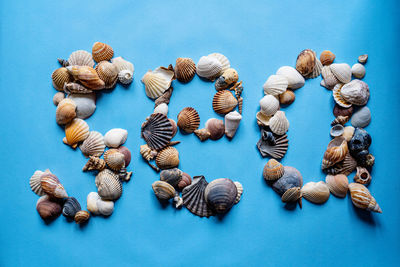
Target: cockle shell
[
  {"x": 232, "y": 121},
  {"x": 239, "y": 188},
  {"x": 355, "y": 92},
  {"x": 76, "y": 131},
  {"x": 278, "y": 123},
  {"x": 275, "y": 148},
  {"x": 82, "y": 217},
  {"x": 158, "y": 81},
  {"x": 287, "y": 97},
  {"x": 336, "y": 152},
  {"x": 66, "y": 111},
  {"x": 337, "y": 184},
  {"x": 81, "y": 58},
  {"x": 305, "y": 62},
  {"x": 35, "y": 183},
  {"x": 60, "y": 77},
  {"x": 222, "y": 59},
  {"x": 114, "y": 159},
  {"x": 107, "y": 72},
  {"x": 341, "y": 111},
  {"x": 337, "y": 96},
  {"x": 52, "y": 186},
  {"x": 125, "y": 70},
  {"x": 71, "y": 207},
  {"x": 348, "y": 132},
  {"x": 361, "y": 118},
  {"x": 220, "y": 195},
  {"x": 167, "y": 158},
  {"x": 171, "y": 176},
  {"x": 294, "y": 78},
  {"x": 102, "y": 51},
  {"x": 327, "y": 57},
  {"x": 273, "y": 170},
  {"x": 291, "y": 195},
  {"x": 193, "y": 197},
  {"x": 224, "y": 102},
  {"x": 147, "y": 153},
  {"x": 363, "y": 59},
  {"x": 330, "y": 79},
  {"x": 163, "y": 190},
  {"x": 185, "y": 69},
  {"x": 337, "y": 130},
  {"x": 262, "y": 119},
  {"x": 275, "y": 85},
  {"x": 87, "y": 76},
  {"x": 127, "y": 154},
  {"x": 115, "y": 137},
  {"x": 216, "y": 128},
  {"x": 362, "y": 176},
  {"x": 209, "y": 68},
  {"x": 157, "y": 131},
  {"x": 290, "y": 178},
  {"x": 362, "y": 198},
  {"x": 188, "y": 120},
  {"x": 109, "y": 186},
  {"x": 48, "y": 209},
  {"x": 85, "y": 104},
  {"x": 342, "y": 72},
  {"x": 76, "y": 88},
  {"x": 162, "y": 108},
  {"x": 317, "y": 193},
  {"x": 94, "y": 163},
  {"x": 228, "y": 78},
  {"x": 358, "y": 70},
  {"x": 58, "y": 97},
  {"x": 269, "y": 105},
  {"x": 93, "y": 145}
]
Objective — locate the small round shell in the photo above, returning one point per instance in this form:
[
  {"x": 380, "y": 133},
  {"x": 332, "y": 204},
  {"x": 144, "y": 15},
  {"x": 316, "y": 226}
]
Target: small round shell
[
  {"x": 58, "y": 97},
  {"x": 287, "y": 97},
  {"x": 102, "y": 51},
  {"x": 362, "y": 176},
  {"x": 358, "y": 70},
  {"x": 269, "y": 105},
  {"x": 228, "y": 78},
  {"x": 363, "y": 59},
  {"x": 221, "y": 195},
  {"x": 82, "y": 217},
  {"x": 327, "y": 57},
  {"x": 71, "y": 207},
  {"x": 47, "y": 208}
]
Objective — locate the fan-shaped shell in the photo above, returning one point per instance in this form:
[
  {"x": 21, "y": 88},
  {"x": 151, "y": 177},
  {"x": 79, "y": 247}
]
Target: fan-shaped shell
[
  {"x": 216, "y": 128},
  {"x": 273, "y": 170},
  {"x": 290, "y": 178},
  {"x": 224, "y": 102},
  {"x": 228, "y": 78},
  {"x": 167, "y": 158},
  {"x": 81, "y": 217},
  {"x": 358, "y": 70},
  {"x": 269, "y": 105},
  {"x": 317, "y": 68},
  {"x": 85, "y": 104},
  {"x": 232, "y": 121},
  {"x": 342, "y": 72},
  {"x": 76, "y": 131},
  {"x": 327, "y": 57},
  {"x": 315, "y": 192},
  {"x": 362, "y": 176},
  {"x": 48, "y": 209},
  {"x": 239, "y": 188},
  {"x": 102, "y": 51},
  {"x": 157, "y": 131},
  {"x": 109, "y": 186},
  {"x": 188, "y": 120},
  {"x": 362, "y": 198},
  {"x": 163, "y": 190},
  {"x": 52, "y": 186},
  {"x": 193, "y": 197},
  {"x": 157, "y": 82},
  {"x": 114, "y": 159},
  {"x": 66, "y": 111},
  {"x": 71, "y": 207},
  {"x": 336, "y": 152},
  {"x": 185, "y": 69},
  {"x": 59, "y": 77},
  {"x": 329, "y": 78},
  {"x": 275, "y": 148},
  {"x": 294, "y": 78},
  {"x": 108, "y": 72},
  {"x": 355, "y": 92},
  {"x": 58, "y": 97},
  {"x": 222, "y": 59},
  {"x": 87, "y": 76},
  {"x": 337, "y": 184},
  {"x": 76, "y": 88},
  {"x": 278, "y": 123},
  {"x": 346, "y": 166},
  {"x": 93, "y": 145},
  {"x": 171, "y": 176},
  {"x": 305, "y": 62},
  {"x": 220, "y": 195},
  {"x": 115, "y": 137},
  {"x": 275, "y": 85},
  {"x": 81, "y": 58},
  {"x": 35, "y": 184},
  {"x": 338, "y": 97},
  {"x": 209, "y": 68}
]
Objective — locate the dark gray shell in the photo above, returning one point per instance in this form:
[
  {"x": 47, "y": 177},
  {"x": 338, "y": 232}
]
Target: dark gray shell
[
  {"x": 193, "y": 197},
  {"x": 291, "y": 178},
  {"x": 71, "y": 207},
  {"x": 273, "y": 146},
  {"x": 171, "y": 176},
  {"x": 157, "y": 131},
  {"x": 220, "y": 195},
  {"x": 347, "y": 166},
  {"x": 361, "y": 140}
]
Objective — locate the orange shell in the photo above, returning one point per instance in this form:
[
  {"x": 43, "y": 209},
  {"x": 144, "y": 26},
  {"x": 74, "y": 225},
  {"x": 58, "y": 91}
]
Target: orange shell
[
  {"x": 188, "y": 120},
  {"x": 327, "y": 57},
  {"x": 102, "y": 51}
]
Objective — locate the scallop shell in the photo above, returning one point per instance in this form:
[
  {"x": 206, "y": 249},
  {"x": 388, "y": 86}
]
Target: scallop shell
[
  {"x": 348, "y": 132},
  {"x": 66, "y": 111},
  {"x": 269, "y": 105},
  {"x": 193, "y": 197},
  {"x": 167, "y": 158},
  {"x": 115, "y": 137},
  {"x": 52, "y": 186},
  {"x": 188, "y": 120},
  {"x": 209, "y": 68},
  {"x": 342, "y": 72},
  {"x": 346, "y": 166},
  {"x": 108, "y": 72},
  {"x": 276, "y": 149},
  {"x": 228, "y": 78},
  {"x": 294, "y": 78},
  {"x": 58, "y": 97},
  {"x": 60, "y": 77},
  {"x": 71, "y": 207},
  {"x": 330, "y": 79},
  {"x": 35, "y": 184},
  {"x": 336, "y": 152},
  {"x": 337, "y": 184},
  {"x": 290, "y": 178},
  {"x": 108, "y": 185},
  {"x": 127, "y": 154},
  {"x": 358, "y": 70},
  {"x": 93, "y": 145},
  {"x": 337, "y": 130},
  {"x": 123, "y": 64},
  {"x": 216, "y": 128},
  {"x": 224, "y": 102},
  {"x": 362, "y": 176},
  {"x": 162, "y": 108},
  {"x": 327, "y": 57},
  {"x": 94, "y": 163},
  {"x": 239, "y": 188},
  {"x": 287, "y": 97},
  {"x": 361, "y": 118},
  {"x": 157, "y": 82},
  {"x": 317, "y": 193},
  {"x": 147, "y": 153},
  {"x": 221, "y": 195},
  {"x": 305, "y": 62},
  {"x": 362, "y": 198},
  {"x": 76, "y": 131},
  {"x": 232, "y": 121},
  {"x": 291, "y": 195},
  {"x": 273, "y": 170},
  {"x": 75, "y": 88},
  {"x": 222, "y": 59},
  {"x": 48, "y": 209},
  {"x": 171, "y": 176},
  {"x": 278, "y": 123},
  {"x": 185, "y": 69},
  {"x": 355, "y": 92},
  {"x": 81, "y": 58},
  {"x": 82, "y": 217},
  {"x": 262, "y": 119},
  {"x": 363, "y": 59},
  {"x": 87, "y": 76},
  {"x": 114, "y": 159},
  {"x": 275, "y": 85},
  {"x": 163, "y": 190},
  {"x": 102, "y": 51},
  {"x": 85, "y": 104},
  {"x": 338, "y": 97}
]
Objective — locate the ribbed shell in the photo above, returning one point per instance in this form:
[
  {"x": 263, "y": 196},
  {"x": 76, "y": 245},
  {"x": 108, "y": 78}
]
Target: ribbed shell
[
  {"x": 342, "y": 72},
  {"x": 337, "y": 184},
  {"x": 71, "y": 207},
  {"x": 209, "y": 68},
  {"x": 222, "y": 59},
  {"x": 108, "y": 185},
  {"x": 157, "y": 131},
  {"x": 305, "y": 62},
  {"x": 328, "y": 76},
  {"x": 327, "y": 57},
  {"x": 185, "y": 69},
  {"x": 76, "y": 131},
  {"x": 157, "y": 82},
  {"x": 317, "y": 69},
  {"x": 171, "y": 176},
  {"x": 317, "y": 193},
  {"x": 167, "y": 158},
  {"x": 362, "y": 198},
  {"x": 123, "y": 64},
  {"x": 193, "y": 197},
  {"x": 278, "y": 123},
  {"x": 87, "y": 76},
  {"x": 108, "y": 72},
  {"x": 224, "y": 102},
  {"x": 295, "y": 80},
  {"x": 336, "y": 152},
  {"x": 275, "y": 85},
  {"x": 188, "y": 120},
  {"x": 340, "y": 120},
  {"x": 291, "y": 178},
  {"x": 239, "y": 188},
  {"x": 185, "y": 181},
  {"x": 102, "y": 51},
  {"x": 291, "y": 195},
  {"x": 127, "y": 154},
  {"x": 59, "y": 77},
  {"x": 163, "y": 190},
  {"x": 269, "y": 105},
  {"x": 93, "y": 145},
  {"x": 94, "y": 163},
  {"x": 355, "y": 92},
  {"x": 76, "y": 88},
  {"x": 277, "y": 150},
  {"x": 273, "y": 170},
  {"x": 35, "y": 184},
  {"x": 338, "y": 97},
  {"x": 81, "y": 217},
  {"x": 52, "y": 186},
  {"x": 220, "y": 195},
  {"x": 114, "y": 159},
  {"x": 81, "y": 58},
  {"x": 66, "y": 111}
]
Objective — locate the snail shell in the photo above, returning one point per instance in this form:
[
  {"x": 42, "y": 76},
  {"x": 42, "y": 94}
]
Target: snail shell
[
  {"x": 209, "y": 68},
  {"x": 81, "y": 217},
  {"x": 108, "y": 72},
  {"x": 342, "y": 72},
  {"x": 305, "y": 62},
  {"x": 193, "y": 197},
  {"x": 167, "y": 158},
  {"x": 115, "y": 137},
  {"x": 76, "y": 88},
  {"x": 158, "y": 81},
  {"x": 66, "y": 111},
  {"x": 114, "y": 159},
  {"x": 224, "y": 102},
  {"x": 327, "y": 57},
  {"x": 278, "y": 123},
  {"x": 109, "y": 186},
  {"x": 81, "y": 58},
  {"x": 355, "y": 92},
  {"x": 157, "y": 131},
  {"x": 362, "y": 198},
  {"x": 216, "y": 128},
  {"x": 220, "y": 195},
  {"x": 76, "y": 131},
  {"x": 71, "y": 207},
  {"x": 273, "y": 170},
  {"x": 362, "y": 176},
  {"x": 94, "y": 163},
  {"x": 85, "y": 104},
  {"x": 232, "y": 121},
  {"x": 185, "y": 69},
  {"x": 337, "y": 184},
  {"x": 125, "y": 70},
  {"x": 317, "y": 193},
  {"x": 52, "y": 186},
  {"x": 59, "y": 77},
  {"x": 294, "y": 78},
  {"x": 269, "y": 105},
  {"x": 48, "y": 209},
  {"x": 87, "y": 76},
  {"x": 336, "y": 152},
  {"x": 228, "y": 78},
  {"x": 340, "y": 120},
  {"x": 147, "y": 153},
  {"x": 188, "y": 120},
  {"x": 346, "y": 166},
  {"x": 101, "y": 51},
  {"x": 93, "y": 145},
  {"x": 163, "y": 190}
]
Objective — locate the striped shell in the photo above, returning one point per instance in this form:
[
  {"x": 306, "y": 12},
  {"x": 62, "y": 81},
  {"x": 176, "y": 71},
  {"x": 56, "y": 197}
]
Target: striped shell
[
  {"x": 337, "y": 184},
  {"x": 163, "y": 190},
  {"x": 346, "y": 166},
  {"x": 52, "y": 186},
  {"x": 336, "y": 152},
  {"x": 66, "y": 111},
  {"x": 317, "y": 69},
  {"x": 209, "y": 68},
  {"x": 338, "y": 97},
  {"x": 224, "y": 102},
  {"x": 273, "y": 170},
  {"x": 275, "y": 85},
  {"x": 101, "y": 51},
  {"x": 291, "y": 195},
  {"x": 167, "y": 158},
  {"x": 317, "y": 193},
  {"x": 157, "y": 131},
  {"x": 114, "y": 159},
  {"x": 93, "y": 145},
  {"x": 362, "y": 198},
  {"x": 81, "y": 58},
  {"x": 222, "y": 59},
  {"x": 107, "y": 72},
  {"x": 185, "y": 69},
  {"x": 278, "y": 123},
  {"x": 81, "y": 217},
  {"x": 221, "y": 195},
  {"x": 188, "y": 120},
  {"x": 239, "y": 188},
  {"x": 35, "y": 183},
  {"x": 157, "y": 82},
  {"x": 108, "y": 185},
  {"x": 342, "y": 72},
  {"x": 59, "y": 77},
  {"x": 171, "y": 176},
  {"x": 87, "y": 76},
  {"x": 193, "y": 197},
  {"x": 305, "y": 62},
  {"x": 291, "y": 178},
  {"x": 76, "y": 131},
  {"x": 329, "y": 78},
  {"x": 269, "y": 105}
]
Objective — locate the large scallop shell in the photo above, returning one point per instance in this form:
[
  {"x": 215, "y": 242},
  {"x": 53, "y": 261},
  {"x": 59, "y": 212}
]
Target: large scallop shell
[
  {"x": 275, "y": 85},
  {"x": 87, "y": 76},
  {"x": 305, "y": 62},
  {"x": 47, "y": 208},
  {"x": 85, "y": 104},
  {"x": 362, "y": 198},
  {"x": 294, "y": 78},
  {"x": 355, "y": 92},
  {"x": 290, "y": 178},
  {"x": 269, "y": 105},
  {"x": 329, "y": 78},
  {"x": 114, "y": 159},
  {"x": 163, "y": 190},
  {"x": 336, "y": 152},
  {"x": 342, "y": 72},
  {"x": 102, "y": 51},
  {"x": 35, "y": 184},
  {"x": 222, "y": 59},
  {"x": 66, "y": 111},
  {"x": 157, "y": 131},
  {"x": 193, "y": 197},
  {"x": 228, "y": 78},
  {"x": 337, "y": 184},
  {"x": 71, "y": 207},
  {"x": 52, "y": 186},
  {"x": 220, "y": 195},
  {"x": 185, "y": 69},
  {"x": 338, "y": 97},
  {"x": 59, "y": 77},
  {"x": 108, "y": 72},
  {"x": 273, "y": 170},
  {"x": 188, "y": 120},
  {"x": 108, "y": 185},
  {"x": 232, "y": 121},
  {"x": 315, "y": 192},
  {"x": 81, "y": 58},
  {"x": 275, "y": 148},
  {"x": 209, "y": 68},
  {"x": 278, "y": 123},
  {"x": 76, "y": 131},
  {"x": 93, "y": 145},
  {"x": 216, "y": 128},
  {"x": 157, "y": 82},
  {"x": 224, "y": 102},
  {"x": 167, "y": 158}
]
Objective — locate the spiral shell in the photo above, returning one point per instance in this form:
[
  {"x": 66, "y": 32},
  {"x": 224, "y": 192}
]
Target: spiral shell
[
  {"x": 228, "y": 78},
  {"x": 362, "y": 176},
  {"x": 71, "y": 207},
  {"x": 185, "y": 69},
  {"x": 76, "y": 131},
  {"x": 107, "y": 72},
  {"x": 158, "y": 81},
  {"x": 66, "y": 111},
  {"x": 362, "y": 198},
  {"x": 224, "y": 102},
  {"x": 147, "y": 153},
  {"x": 269, "y": 105},
  {"x": 355, "y": 92},
  {"x": 232, "y": 121},
  {"x": 188, "y": 120},
  {"x": 209, "y": 68},
  {"x": 167, "y": 158},
  {"x": 93, "y": 145},
  {"x": 275, "y": 85},
  {"x": 317, "y": 193},
  {"x": 81, "y": 58},
  {"x": 273, "y": 170},
  {"x": 82, "y": 217},
  {"x": 109, "y": 186},
  {"x": 221, "y": 195},
  {"x": 125, "y": 70},
  {"x": 294, "y": 78},
  {"x": 305, "y": 62},
  {"x": 337, "y": 184},
  {"x": 340, "y": 120},
  {"x": 114, "y": 159},
  {"x": 222, "y": 59},
  {"x": 193, "y": 197},
  {"x": 342, "y": 72},
  {"x": 102, "y": 51},
  {"x": 327, "y": 57},
  {"x": 75, "y": 88},
  {"x": 48, "y": 209},
  {"x": 60, "y": 77},
  {"x": 338, "y": 97},
  {"x": 94, "y": 163},
  {"x": 87, "y": 76},
  {"x": 216, "y": 128},
  {"x": 163, "y": 190},
  {"x": 278, "y": 123},
  {"x": 52, "y": 186},
  {"x": 336, "y": 152},
  {"x": 35, "y": 184}
]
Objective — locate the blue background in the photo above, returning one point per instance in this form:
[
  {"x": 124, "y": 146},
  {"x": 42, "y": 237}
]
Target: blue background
[{"x": 258, "y": 37}]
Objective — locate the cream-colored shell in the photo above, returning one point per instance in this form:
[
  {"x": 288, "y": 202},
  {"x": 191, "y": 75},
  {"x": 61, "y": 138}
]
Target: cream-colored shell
[
  {"x": 315, "y": 192},
  {"x": 239, "y": 188},
  {"x": 162, "y": 108},
  {"x": 222, "y": 59},
  {"x": 275, "y": 85},
  {"x": 342, "y": 72},
  {"x": 362, "y": 198},
  {"x": 123, "y": 64},
  {"x": 76, "y": 131},
  {"x": 35, "y": 184},
  {"x": 115, "y": 137},
  {"x": 262, "y": 119},
  {"x": 278, "y": 123},
  {"x": 269, "y": 105},
  {"x": 125, "y": 76},
  {"x": 209, "y": 68},
  {"x": 66, "y": 111},
  {"x": 348, "y": 133},
  {"x": 91, "y": 202},
  {"x": 157, "y": 82},
  {"x": 147, "y": 153},
  {"x": 338, "y": 97},
  {"x": 232, "y": 121},
  {"x": 358, "y": 70},
  {"x": 295, "y": 79},
  {"x": 355, "y": 92},
  {"x": 330, "y": 79},
  {"x": 93, "y": 145},
  {"x": 337, "y": 184},
  {"x": 81, "y": 58}
]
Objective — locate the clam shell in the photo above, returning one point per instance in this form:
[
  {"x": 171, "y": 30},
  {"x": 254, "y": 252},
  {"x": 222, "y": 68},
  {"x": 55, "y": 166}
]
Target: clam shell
[
  {"x": 105, "y": 207},
  {"x": 232, "y": 121},
  {"x": 157, "y": 82},
  {"x": 93, "y": 145},
  {"x": 355, "y": 92},
  {"x": 342, "y": 72},
  {"x": 114, "y": 159},
  {"x": 109, "y": 186},
  {"x": 338, "y": 97},
  {"x": 58, "y": 97},
  {"x": 202, "y": 134},
  {"x": 361, "y": 118},
  {"x": 82, "y": 217},
  {"x": 317, "y": 193},
  {"x": 327, "y": 57},
  {"x": 220, "y": 195},
  {"x": 102, "y": 51},
  {"x": 188, "y": 120},
  {"x": 81, "y": 58},
  {"x": 35, "y": 184},
  {"x": 157, "y": 131},
  {"x": 330, "y": 79},
  {"x": 48, "y": 209},
  {"x": 91, "y": 202},
  {"x": 85, "y": 104},
  {"x": 185, "y": 181},
  {"x": 209, "y": 68},
  {"x": 291, "y": 195},
  {"x": 239, "y": 188},
  {"x": 269, "y": 105},
  {"x": 171, "y": 176},
  {"x": 167, "y": 158},
  {"x": 348, "y": 132},
  {"x": 224, "y": 102},
  {"x": 123, "y": 64},
  {"x": 87, "y": 76},
  {"x": 76, "y": 131},
  {"x": 337, "y": 184},
  {"x": 222, "y": 59},
  {"x": 362, "y": 198},
  {"x": 193, "y": 197},
  {"x": 336, "y": 152},
  {"x": 305, "y": 62},
  {"x": 216, "y": 128},
  {"x": 362, "y": 176},
  {"x": 94, "y": 163},
  {"x": 358, "y": 70},
  {"x": 75, "y": 88},
  {"x": 276, "y": 149},
  {"x": 115, "y": 137},
  {"x": 275, "y": 85},
  {"x": 66, "y": 111},
  {"x": 147, "y": 153},
  {"x": 363, "y": 59},
  {"x": 163, "y": 190},
  {"x": 290, "y": 178},
  {"x": 60, "y": 77},
  {"x": 262, "y": 119},
  {"x": 52, "y": 186},
  {"x": 127, "y": 154},
  {"x": 317, "y": 69},
  {"x": 337, "y": 130},
  {"x": 341, "y": 111},
  {"x": 273, "y": 170},
  {"x": 346, "y": 166},
  {"x": 278, "y": 123},
  {"x": 108, "y": 72},
  {"x": 185, "y": 69},
  {"x": 287, "y": 97},
  {"x": 228, "y": 78},
  {"x": 294, "y": 78},
  {"x": 162, "y": 108},
  {"x": 71, "y": 207}
]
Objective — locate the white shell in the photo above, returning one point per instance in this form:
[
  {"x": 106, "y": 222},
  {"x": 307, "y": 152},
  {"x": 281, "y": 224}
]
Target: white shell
[
  {"x": 294, "y": 78},
  {"x": 85, "y": 104},
  {"x": 162, "y": 108},
  {"x": 338, "y": 97},
  {"x": 329, "y": 78},
  {"x": 317, "y": 69},
  {"x": 275, "y": 85},
  {"x": 355, "y": 92},
  {"x": 232, "y": 121},
  {"x": 123, "y": 64},
  {"x": 222, "y": 59},
  {"x": 115, "y": 137},
  {"x": 269, "y": 105},
  {"x": 81, "y": 58},
  {"x": 342, "y": 72},
  {"x": 93, "y": 145},
  {"x": 316, "y": 192},
  {"x": 91, "y": 202},
  {"x": 278, "y": 123},
  {"x": 358, "y": 70},
  {"x": 209, "y": 68},
  {"x": 125, "y": 76},
  {"x": 157, "y": 82},
  {"x": 361, "y": 118},
  {"x": 105, "y": 207}
]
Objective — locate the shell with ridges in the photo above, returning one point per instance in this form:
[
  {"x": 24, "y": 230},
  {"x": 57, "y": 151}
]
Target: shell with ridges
[
  {"x": 93, "y": 145},
  {"x": 305, "y": 62},
  {"x": 35, "y": 184},
  {"x": 278, "y": 123},
  {"x": 94, "y": 163},
  {"x": 222, "y": 59},
  {"x": 273, "y": 170},
  {"x": 52, "y": 186},
  {"x": 224, "y": 102},
  {"x": 123, "y": 64},
  {"x": 232, "y": 121},
  {"x": 220, "y": 195},
  {"x": 108, "y": 72},
  {"x": 275, "y": 85},
  {"x": 317, "y": 68},
  {"x": 163, "y": 190},
  {"x": 188, "y": 120},
  {"x": 193, "y": 197},
  {"x": 317, "y": 193},
  {"x": 157, "y": 82},
  {"x": 66, "y": 111},
  {"x": 167, "y": 158},
  {"x": 342, "y": 72},
  {"x": 362, "y": 198},
  {"x": 115, "y": 137},
  {"x": 185, "y": 69},
  {"x": 81, "y": 58},
  {"x": 209, "y": 68},
  {"x": 355, "y": 92},
  {"x": 337, "y": 184},
  {"x": 76, "y": 88},
  {"x": 269, "y": 105},
  {"x": 87, "y": 76},
  {"x": 109, "y": 186},
  {"x": 294, "y": 78},
  {"x": 276, "y": 149},
  {"x": 81, "y": 217},
  {"x": 76, "y": 131},
  {"x": 338, "y": 97},
  {"x": 336, "y": 152},
  {"x": 102, "y": 51},
  {"x": 114, "y": 159},
  {"x": 239, "y": 188},
  {"x": 71, "y": 207},
  {"x": 290, "y": 178},
  {"x": 147, "y": 153},
  {"x": 291, "y": 195},
  {"x": 330, "y": 79},
  {"x": 59, "y": 77}
]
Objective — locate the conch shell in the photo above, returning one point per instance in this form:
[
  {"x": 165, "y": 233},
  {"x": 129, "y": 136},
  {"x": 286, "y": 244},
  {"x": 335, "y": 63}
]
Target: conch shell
[{"x": 362, "y": 198}]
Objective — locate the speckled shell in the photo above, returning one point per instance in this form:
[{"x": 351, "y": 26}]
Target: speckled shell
[
  {"x": 294, "y": 78},
  {"x": 287, "y": 97},
  {"x": 76, "y": 88},
  {"x": 52, "y": 186},
  {"x": 93, "y": 145},
  {"x": 167, "y": 158},
  {"x": 163, "y": 190},
  {"x": 94, "y": 163},
  {"x": 193, "y": 197},
  {"x": 216, "y": 128},
  {"x": 291, "y": 178},
  {"x": 278, "y": 123},
  {"x": 362, "y": 176},
  {"x": 48, "y": 209},
  {"x": 171, "y": 176},
  {"x": 81, "y": 58},
  {"x": 147, "y": 153},
  {"x": 224, "y": 102},
  {"x": 338, "y": 97},
  {"x": 127, "y": 154},
  {"x": 342, "y": 72},
  {"x": 327, "y": 57},
  {"x": 66, "y": 111},
  {"x": 114, "y": 159},
  {"x": 262, "y": 119},
  {"x": 185, "y": 69},
  {"x": 71, "y": 207},
  {"x": 109, "y": 186},
  {"x": 188, "y": 120},
  {"x": 275, "y": 85},
  {"x": 305, "y": 62},
  {"x": 317, "y": 193},
  {"x": 269, "y": 105},
  {"x": 273, "y": 170},
  {"x": 276, "y": 149},
  {"x": 102, "y": 51},
  {"x": 228, "y": 78},
  {"x": 85, "y": 104},
  {"x": 232, "y": 121},
  {"x": 209, "y": 68},
  {"x": 358, "y": 70},
  {"x": 361, "y": 118},
  {"x": 330, "y": 79},
  {"x": 87, "y": 76},
  {"x": 76, "y": 131},
  {"x": 35, "y": 184},
  {"x": 157, "y": 82},
  {"x": 82, "y": 217},
  {"x": 362, "y": 198},
  {"x": 239, "y": 188},
  {"x": 108, "y": 72},
  {"x": 291, "y": 195},
  {"x": 60, "y": 77},
  {"x": 355, "y": 92},
  {"x": 58, "y": 97},
  {"x": 222, "y": 59},
  {"x": 336, "y": 152},
  {"x": 115, "y": 137},
  {"x": 337, "y": 184},
  {"x": 220, "y": 195},
  {"x": 91, "y": 202},
  {"x": 361, "y": 140}
]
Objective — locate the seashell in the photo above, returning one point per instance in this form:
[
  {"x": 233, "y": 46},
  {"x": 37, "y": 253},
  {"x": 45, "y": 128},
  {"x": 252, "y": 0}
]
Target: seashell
[
  {"x": 273, "y": 170},
  {"x": 337, "y": 184},
  {"x": 87, "y": 76},
  {"x": 336, "y": 152},
  {"x": 174, "y": 127},
  {"x": 193, "y": 197},
  {"x": 162, "y": 108},
  {"x": 317, "y": 69},
  {"x": 216, "y": 128},
  {"x": 361, "y": 140},
  {"x": 358, "y": 70},
  {"x": 365, "y": 159},
  {"x": 157, "y": 131},
  {"x": 322, "y": 83},
  {"x": 171, "y": 176},
  {"x": 287, "y": 97},
  {"x": 185, "y": 181},
  {"x": 305, "y": 62},
  {"x": 93, "y": 145},
  {"x": 232, "y": 121},
  {"x": 114, "y": 159},
  {"x": 238, "y": 89},
  {"x": 167, "y": 158},
  {"x": 290, "y": 178},
  {"x": 127, "y": 154},
  {"x": 330, "y": 79},
  {"x": 341, "y": 111},
  {"x": 275, "y": 85},
  {"x": 361, "y": 118},
  {"x": 115, "y": 137},
  {"x": 63, "y": 62},
  {"x": 327, "y": 57},
  {"x": 239, "y": 188},
  {"x": 35, "y": 183},
  {"x": 76, "y": 131},
  {"x": 125, "y": 70},
  {"x": 188, "y": 120},
  {"x": 276, "y": 148},
  {"x": 262, "y": 119},
  {"x": 60, "y": 77},
  {"x": 52, "y": 186},
  {"x": 75, "y": 88},
  {"x": 355, "y": 92},
  {"x": 165, "y": 97},
  {"x": 157, "y": 82},
  {"x": 57, "y": 98},
  {"x": 124, "y": 175},
  {"x": 108, "y": 72},
  {"x": 317, "y": 193},
  {"x": 224, "y": 102},
  {"x": 101, "y": 51},
  {"x": 348, "y": 133},
  {"x": 147, "y": 153},
  {"x": 81, "y": 58},
  {"x": 362, "y": 176},
  {"x": 202, "y": 134},
  {"x": 346, "y": 166},
  {"x": 94, "y": 163},
  {"x": 337, "y": 130},
  {"x": 278, "y": 123},
  {"x": 342, "y": 72},
  {"x": 66, "y": 111},
  {"x": 105, "y": 207},
  {"x": 294, "y": 78},
  {"x": 269, "y": 105},
  {"x": 363, "y": 59},
  {"x": 71, "y": 207},
  {"x": 220, "y": 195},
  {"x": 91, "y": 202},
  {"x": 85, "y": 104},
  {"x": 222, "y": 59},
  {"x": 109, "y": 186},
  {"x": 362, "y": 198},
  {"x": 209, "y": 68},
  {"x": 240, "y": 104},
  {"x": 185, "y": 69},
  {"x": 228, "y": 78},
  {"x": 178, "y": 201},
  {"x": 338, "y": 97},
  {"x": 82, "y": 217},
  {"x": 125, "y": 76},
  {"x": 163, "y": 190},
  {"x": 291, "y": 195},
  {"x": 340, "y": 120},
  {"x": 47, "y": 208}
]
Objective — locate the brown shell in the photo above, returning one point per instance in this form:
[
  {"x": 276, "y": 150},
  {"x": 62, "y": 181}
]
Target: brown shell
[
  {"x": 291, "y": 195},
  {"x": 336, "y": 152},
  {"x": 337, "y": 184},
  {"x": 60, "y": 76},
  {"x": 114, "y": 159},
  {"x": 185, "y": 181},
  {"x": 327, "y": 57},
  {"x": 94, "y": 163},
  {"x": 305, "y": 62},
  {"x": 188, "y": 120},
  {"x": 216, "y": 128},
  {"x": 341, "y": 111},
  {"x": 362, "y": 176},
  {"x": 346, "y": 166},
  {"x": 340, "y": 120},
  {"x": 102, "y": 51},
  {"x": 107, "y": 72},
  {"x": 52, "y": 186},
  {"x": 287, "y": 97},
  {"x": 240, "y": 104},
  {"x": 167, "y": 158},
  {"x": 273, "y": 170},
  {"x": 362, "y": 198},
  {"x": 82, "y": 216},
  {"x": 66, "y": 111},
  {"x": 224, "y": 102},
  {"x": 157, "y": 131},
  {"x": 202, "y": 134},
  {"x": 185, "y": 69},
  {"x": 87, "y": 76},
  {"x": 47, "y": 208}
]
